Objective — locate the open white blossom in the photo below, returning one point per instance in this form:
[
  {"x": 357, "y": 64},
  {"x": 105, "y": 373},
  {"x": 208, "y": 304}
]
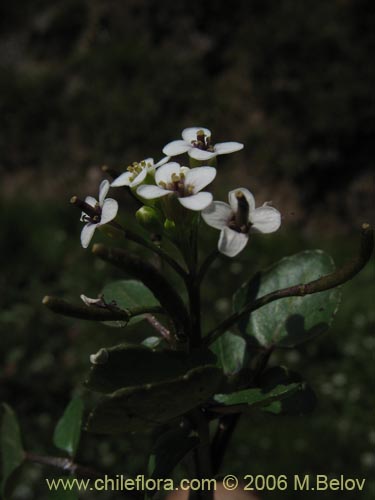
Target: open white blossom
[
  {"x": 137, "y": 172},
  {"x": 196, "y": 142},
  {"x": 238, "y": 219},
  {"x": 183, "y": 182},
  {"x": 105, "y": 211}
]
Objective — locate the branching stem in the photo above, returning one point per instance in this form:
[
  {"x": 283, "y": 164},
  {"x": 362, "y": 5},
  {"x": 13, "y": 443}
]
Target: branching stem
[{"x": 332, "y": 280}]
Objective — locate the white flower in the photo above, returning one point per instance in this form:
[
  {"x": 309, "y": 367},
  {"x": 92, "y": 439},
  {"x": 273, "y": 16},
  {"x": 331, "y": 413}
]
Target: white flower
[
  {"x": 137, "y": 172},
  {"x": 197, "y": 144},
  {"x": 105, "y": 211},
  {"x": 238, "y": 219},
  {"x": 183, "y": 182}
]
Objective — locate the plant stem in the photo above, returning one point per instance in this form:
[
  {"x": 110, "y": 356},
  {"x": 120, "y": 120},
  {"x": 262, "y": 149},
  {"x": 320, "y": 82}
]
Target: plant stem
[
  {"x": 66, "y": 464},
  {"x": 95, "y": 313},
  {"x": 332, "y": 280},
  {"x": 202, "y": 455},
  {"x": 206, "y": 265}
]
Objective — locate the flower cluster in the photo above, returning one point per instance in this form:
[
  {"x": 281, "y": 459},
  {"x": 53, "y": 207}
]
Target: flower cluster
[{"x": 155, "y": 183}]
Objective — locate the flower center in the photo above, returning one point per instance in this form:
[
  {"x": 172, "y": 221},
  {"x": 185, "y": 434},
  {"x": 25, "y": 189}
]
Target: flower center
[
  {"x": 203, "y": 141},
  {"x": 178, "y": 186},
  {"x": 92, "y": 214},
  {"x": 240, "y": 220},
  {"x": 136, "y": 168}
]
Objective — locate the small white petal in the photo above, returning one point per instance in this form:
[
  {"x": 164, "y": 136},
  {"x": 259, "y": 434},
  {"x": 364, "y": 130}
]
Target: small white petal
[
  {"x": 92, "y": 302},
  {"x": 162, "y": 161},
  {"x": 140, "y": 178},
  {"x": 231, "y": 242},
  {"x": 151, "y": 192},
  {"x": 223, "y": 148},
  {"x": 103, "y": 191},
  {"x": 265, "y": 219},
  {"x": 165, "y": 172},
  {"x": 87, "y": 233},
  {"x": 201, "y": 154},
  {"x": 233, "y": 199},
  {"x": 198, "y": 201},
  {"x": 122, "y": 180},
  {"x": 148, "y": 161},
  {"x": 217, "y": 214},
  {"x": 200, "y": 177},
  {"x": 190, "y": 134},
  {"x": 175, "y": 148},
  {"x": 91, "y": 201},
  {"x": 109, "y": 211}
]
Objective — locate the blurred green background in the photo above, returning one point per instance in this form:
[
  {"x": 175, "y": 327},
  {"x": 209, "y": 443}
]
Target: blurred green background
[{"x": 87, "y": 83}]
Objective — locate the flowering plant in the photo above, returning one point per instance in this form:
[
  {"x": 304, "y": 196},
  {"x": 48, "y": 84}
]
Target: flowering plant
[{"x": 184, "y": 386}]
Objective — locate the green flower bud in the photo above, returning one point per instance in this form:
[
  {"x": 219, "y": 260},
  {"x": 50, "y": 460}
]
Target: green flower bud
[{"x": 150, "y": 219}]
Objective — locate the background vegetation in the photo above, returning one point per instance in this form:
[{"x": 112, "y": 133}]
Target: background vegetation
[{"x": 83, "y": 83}]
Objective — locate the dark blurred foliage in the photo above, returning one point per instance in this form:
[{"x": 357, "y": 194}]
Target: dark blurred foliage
[
  {"x": 86, "y": 82},
  {"x": 89, "y": 82}
]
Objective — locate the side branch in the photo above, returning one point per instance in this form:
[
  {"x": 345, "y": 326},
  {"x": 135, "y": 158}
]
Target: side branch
[
  {"x": 65, "y": 464},
  {"x": 136, "y": 267},
  {"x": 332, "y": 280},
  {"x": 95, "y": 313}
]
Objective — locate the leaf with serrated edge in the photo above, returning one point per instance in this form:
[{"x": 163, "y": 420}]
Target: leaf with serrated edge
[
  {"x": 252, "y": 398},
  {"x": 139, "y": 409},
  {"x": 68, "y": 429},
  {"x": 289, "y": 321},
  {"x": 129, "y": 365}
]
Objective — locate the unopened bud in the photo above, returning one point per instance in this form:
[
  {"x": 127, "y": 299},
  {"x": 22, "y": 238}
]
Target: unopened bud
[{"x": 149, "y": 218}]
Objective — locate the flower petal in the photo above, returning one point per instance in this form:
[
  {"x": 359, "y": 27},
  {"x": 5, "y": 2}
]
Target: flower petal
[
  {"x": 162, "y": 161},
  {"x": 175, "y": 148},
  {"x": 200, "y": 177},
  {"x": 223, "y": 148},
  {"x": 103, "y": 191},
  {"x": 231, "y": 242},
  {"x": 151, "y": 192},
  {"x": 140, "y": 177},
  {"x": 122, "y": 180},
  {"x": 109, "y": 211},
  {"x": 87, "y": 234},
  {"x": 90, "y": 200},
  {"x": 265, "y": 219},
  {"x": 190, "y": 134},
  {"x": 233, "y": 202},
  {"x": 197, "y": 201},
  {"x": 201, "y": 154},
  {"x": 165, "y": 172},
  {"x": 217, "y": 214}
]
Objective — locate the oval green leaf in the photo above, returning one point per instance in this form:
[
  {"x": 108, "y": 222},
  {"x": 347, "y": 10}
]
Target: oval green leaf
[
  {"x": 128, "y": 365},
  {"x": 289, "y": 321},
  {"x": 12, "y": 453},
  {"x": 126, "y": 294},
  {"x": 142, "y": 408},
  {"x": 68, "y": 429},
  {"x": 230, "y": 350}
]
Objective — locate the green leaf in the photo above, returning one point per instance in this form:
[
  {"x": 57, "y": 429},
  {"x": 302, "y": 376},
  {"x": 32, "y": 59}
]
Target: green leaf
[
  {"x": 68, "y": 429},
  {"x": 289, "y": 321},
  {"x": 251, "y": 398},
  {"x": 170, "y": 448},
  {"x": 141, "y": 408},
  {"x": 129, "y": 365},
  {"x": 230, "y": 350},
  {"x": 12, "y": 453},
  {"x": 126, "y": 294},
  {"x": 302, "y": 402}
]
